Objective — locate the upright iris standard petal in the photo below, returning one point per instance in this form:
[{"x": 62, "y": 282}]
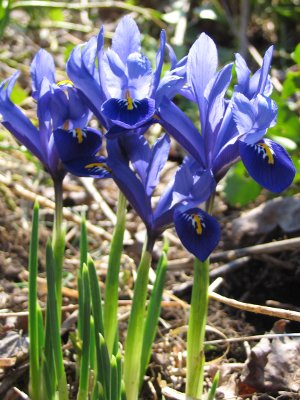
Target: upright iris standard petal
[
  {"x": 268, "y": 163},
  {"x": 139, "y": 75},
  {"x": 253, "y": 117},
  {"x": 159, "y": 63},
  {"x": 127, "y": 38},
  {"x": 198, "y": 231},
  {"x": 115, "y": 76},
  {"x": 82, "y": 72},
  {"x": 201, "y": 67},
  {"x": 128, "y": 113},
  {"x": 42, "y": 66}
]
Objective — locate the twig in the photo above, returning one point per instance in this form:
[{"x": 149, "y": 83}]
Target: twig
[
  {"x": 68, "y": 215},
  {"x": 272, "y": 247},
  {"x": 90, "y": 188},
  {"x": 146, "y": 12},
  {"x": 257, "y": 309},
  {"x": 254, "y": 337},
  {"x": 229, "y": 267}
]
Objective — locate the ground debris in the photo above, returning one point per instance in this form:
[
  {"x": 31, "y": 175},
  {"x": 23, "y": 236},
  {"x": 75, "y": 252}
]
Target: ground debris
[
  {"x": 280, "y": 212},
  {"x": 272, "y": 366}
]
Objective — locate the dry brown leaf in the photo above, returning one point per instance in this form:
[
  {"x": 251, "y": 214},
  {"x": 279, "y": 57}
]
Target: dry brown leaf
[
  {"x": 13, "y": 345},
  {"x": 282, "y": 212},
  {"x": 273, "y": 365}
]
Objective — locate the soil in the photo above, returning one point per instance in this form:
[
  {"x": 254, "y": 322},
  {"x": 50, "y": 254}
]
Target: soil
[
  {"x": 259, "y": 281},
  {"x": 263, "y": 279}
]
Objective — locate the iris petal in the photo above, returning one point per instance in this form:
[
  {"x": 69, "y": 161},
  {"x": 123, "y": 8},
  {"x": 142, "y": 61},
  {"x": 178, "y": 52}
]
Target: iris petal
[
  {"x": 128, "y": 182},
  {"x": 120, "y": 112},
  {"x": 42, "y": 66},
  {"x": 182, "y": 129},
  {"x": 17, "y": 123},
  {"x": 77, "y": 143},
  {"x": 198, "y": 231},
  {"x": 93, "y": 167},
  {"x": 201, "y": 67},
  {"x": 268, "y": 163},
  {"x": 126, "y": 39},
  {"x": 159, "y": 62}
]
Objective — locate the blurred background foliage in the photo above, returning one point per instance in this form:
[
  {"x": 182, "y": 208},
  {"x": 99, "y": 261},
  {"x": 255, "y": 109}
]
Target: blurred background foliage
[{"x": 245, "y": 26}]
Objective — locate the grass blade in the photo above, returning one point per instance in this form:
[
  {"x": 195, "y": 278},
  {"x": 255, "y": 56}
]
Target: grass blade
[
  {"x": 114, "y": 378},
  {"x": 153, "y": 313},
  {"x": 212, "y": 390},
  {"x": 83, "y": 260},
  {"x": 112, "y": 279},
  {"x": 135, "y": 330},
  {"x": 85, "y": 355},
  {"x": 54, "y": 324},
  {"x": 35, "y": 385}
]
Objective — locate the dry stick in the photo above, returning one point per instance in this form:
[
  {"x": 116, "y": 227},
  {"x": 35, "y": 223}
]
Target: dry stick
[
  {"x": 272, "y": 247},
  {"x": 257, "y": 309},
  {"x": 88, "y": 183},
  {"x": 68, "y": 215},
  {"x": 254, "y": 337}
]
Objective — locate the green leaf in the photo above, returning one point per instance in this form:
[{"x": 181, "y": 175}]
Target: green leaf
[
  {"x": 153, "y": 312},
  {"x": 296, "y": 162},
  {"x": 18, "y": 94},
  {"x": 296, "y": 54},
  {"x": 239, "y": 188},
  {"x": 56, "y": 14},
  {"x": 287, "y": 143}
]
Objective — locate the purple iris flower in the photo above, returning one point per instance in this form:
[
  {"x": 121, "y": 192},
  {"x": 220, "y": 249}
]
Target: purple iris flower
[
  {"x": 119, "y": 84},
  {"x": 58, "y": 106},
  {"x": 230, "y": 130},
  {"x": 136, "y": 167}
]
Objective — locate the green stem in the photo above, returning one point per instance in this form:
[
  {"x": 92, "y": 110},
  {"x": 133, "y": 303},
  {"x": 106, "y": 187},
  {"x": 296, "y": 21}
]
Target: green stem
[
  {"x": 135, "y": 331},
  {"x": 196, "y": 330},
  {"x": 112, "y": 279},
  {"x": 54, "y": 325},
  {"x": 58, "y": 240},
  {"x": 85, "y": 356},
  {"x": 197, "y": 324},
  {"x": 33, "y": 308}
]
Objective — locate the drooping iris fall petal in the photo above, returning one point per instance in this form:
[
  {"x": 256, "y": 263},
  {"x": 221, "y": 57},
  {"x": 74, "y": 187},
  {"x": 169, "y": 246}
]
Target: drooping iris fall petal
[
  {"x": 128, "y": 113},
  {"x": 198, "y": 231},
  {"x": 268, "y": 163}
]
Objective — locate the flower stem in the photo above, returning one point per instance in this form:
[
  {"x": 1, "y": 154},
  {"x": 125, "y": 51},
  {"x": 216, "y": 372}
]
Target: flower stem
[
  {"x": 197, "y": 324},
  {"x": 135, "y": 331},
  {"x": 34, "y": 358},
  {"x": 196, "y": 330},
  {"x": 58, "y": 240},
  {"x": 112, "y": 278}
]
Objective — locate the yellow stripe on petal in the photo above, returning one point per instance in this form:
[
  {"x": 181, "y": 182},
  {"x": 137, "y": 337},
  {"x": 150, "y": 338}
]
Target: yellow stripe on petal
[
  {"x": 129, "y": 101},
  {"x": 197, "y": 223},
  {"x": 268, "y": 152},
  {"x": 65, "y": 82},
  {"x": 97, "y": 166},
  {"x": 79, "y": 135}
]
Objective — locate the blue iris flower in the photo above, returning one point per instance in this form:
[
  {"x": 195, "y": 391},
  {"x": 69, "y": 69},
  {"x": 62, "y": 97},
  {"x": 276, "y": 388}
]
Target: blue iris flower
[
  {"x": 136, "y": 168},
  {"x": 119, "y": 84},
  {"x": 230, "y": 130},
  {"x": 58, "y": 106}
]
